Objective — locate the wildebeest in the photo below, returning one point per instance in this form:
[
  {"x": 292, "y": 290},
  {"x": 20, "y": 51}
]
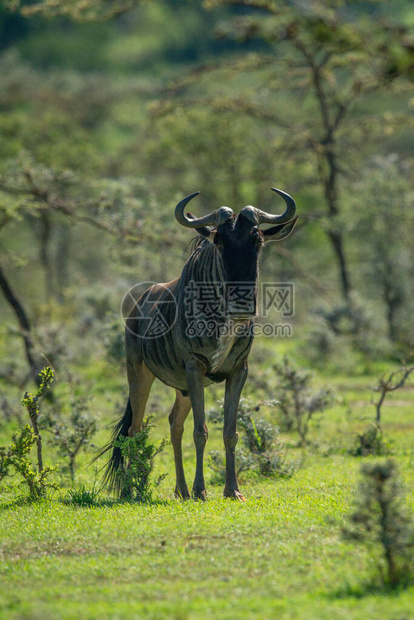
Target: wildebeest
[{"x": 196, "y": 345}]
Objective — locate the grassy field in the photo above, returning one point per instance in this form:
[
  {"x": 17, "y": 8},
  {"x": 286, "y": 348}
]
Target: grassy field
[{"x": 280, "y": 554}]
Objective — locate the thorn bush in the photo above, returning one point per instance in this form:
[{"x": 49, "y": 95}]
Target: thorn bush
[
  {"x": 297, "y": 401},
  {"x": 381, "y": 522}
]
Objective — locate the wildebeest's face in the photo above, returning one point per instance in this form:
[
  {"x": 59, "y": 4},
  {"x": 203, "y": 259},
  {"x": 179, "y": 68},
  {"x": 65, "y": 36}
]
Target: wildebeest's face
[
  {"x": 239, "y": 240},
  {"x": 239, "y": 243}
]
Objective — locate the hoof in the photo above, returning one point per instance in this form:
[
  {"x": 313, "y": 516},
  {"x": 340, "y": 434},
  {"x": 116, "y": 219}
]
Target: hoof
[{"x": 235, "y": 494}]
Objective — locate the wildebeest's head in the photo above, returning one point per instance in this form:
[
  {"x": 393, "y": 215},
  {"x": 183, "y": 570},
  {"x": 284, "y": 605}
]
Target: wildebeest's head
[{"x": 239, "y": 239}]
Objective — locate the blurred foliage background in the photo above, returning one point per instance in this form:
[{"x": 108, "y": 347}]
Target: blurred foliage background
[{"x": 113, "y": 110}]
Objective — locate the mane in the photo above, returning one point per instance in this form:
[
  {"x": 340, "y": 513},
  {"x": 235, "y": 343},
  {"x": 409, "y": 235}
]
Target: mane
[
  {"x": 204, "y": 264},
  {"x": 194, "y": 243}
]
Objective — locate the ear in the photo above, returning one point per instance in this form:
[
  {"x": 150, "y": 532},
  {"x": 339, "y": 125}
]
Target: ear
[{"x": 279, "y": 232}]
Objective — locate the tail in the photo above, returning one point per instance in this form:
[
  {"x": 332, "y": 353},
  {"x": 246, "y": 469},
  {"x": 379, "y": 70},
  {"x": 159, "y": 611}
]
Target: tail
[{"x": 111, "y": 478}]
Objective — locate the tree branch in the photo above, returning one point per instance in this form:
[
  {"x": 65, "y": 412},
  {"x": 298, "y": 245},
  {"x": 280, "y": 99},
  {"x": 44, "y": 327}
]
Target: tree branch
[
  {"x": 386, "y": 385},
  {"x": 57, "y": 204},
  {"x": 262, "y": 5},
  {"x": 23, "y": 320}
]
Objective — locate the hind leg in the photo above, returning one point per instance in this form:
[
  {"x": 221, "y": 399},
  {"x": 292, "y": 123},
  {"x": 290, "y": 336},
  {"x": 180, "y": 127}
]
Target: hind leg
[
  {"x": 177, "y": 417},
  {"x": 140, "y": 380}
]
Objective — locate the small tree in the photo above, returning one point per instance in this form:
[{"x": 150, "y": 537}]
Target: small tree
[
  {"x": 371, "y": 441},
  {"x": 76, "y": 436},
  {"x": 389, "y": 383},
  {"x": 297, "y": 401},
  {"x": 16, "y": 457},
  {"x": 381, "y": 522},
  {"x": 30, "y": 401},
  {"x": 268, "y": 454}
]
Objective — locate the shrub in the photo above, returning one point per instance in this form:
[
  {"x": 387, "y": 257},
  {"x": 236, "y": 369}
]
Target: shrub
[
  {"x": 138, "y": 457},
  {"x": 16, "y": 457},
  {"x": 297, "y": 400},
  {"x": 380, "y": 522},
  {"x": 73, "y": 437},
  {"x": 217, "y": 464},
  {"x": 260, "y": 448},
  {"x": 31, "y": 402},
  {"x": 370, "y": 442}
]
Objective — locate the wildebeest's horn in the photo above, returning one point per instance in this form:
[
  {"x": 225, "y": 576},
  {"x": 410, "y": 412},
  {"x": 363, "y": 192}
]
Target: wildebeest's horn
[
  {"x": 256, "y": 216},
  {"x": 217, "y": 217}
]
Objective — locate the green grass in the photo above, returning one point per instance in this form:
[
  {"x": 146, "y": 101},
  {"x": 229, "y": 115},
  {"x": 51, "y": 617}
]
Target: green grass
[{"x": 278, "y": 555}]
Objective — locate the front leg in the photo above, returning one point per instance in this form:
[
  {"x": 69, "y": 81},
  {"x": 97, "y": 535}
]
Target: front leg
[
  {"x": 195, "y": 375},
  {"x": 177, "y": 418},
  {"x": 234, "y": 386}
]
